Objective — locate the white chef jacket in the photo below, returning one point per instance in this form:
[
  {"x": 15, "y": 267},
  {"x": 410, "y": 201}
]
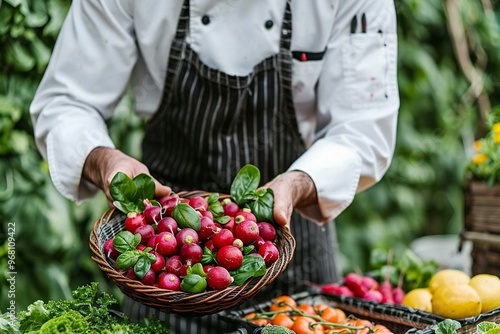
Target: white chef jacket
[{"x": 346, "y": 102}]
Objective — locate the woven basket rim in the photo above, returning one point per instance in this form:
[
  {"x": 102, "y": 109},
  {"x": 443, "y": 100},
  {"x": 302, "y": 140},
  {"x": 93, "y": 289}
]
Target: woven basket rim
[{"x": 209, "y": 302}]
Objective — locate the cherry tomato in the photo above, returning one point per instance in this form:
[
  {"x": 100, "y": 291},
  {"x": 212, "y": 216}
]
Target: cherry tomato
[
  {"x": 282, "y": 319},
  {"x": 301, "y": 326}
]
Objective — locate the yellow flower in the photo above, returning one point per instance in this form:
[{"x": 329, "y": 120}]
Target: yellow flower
[
  {"x": 496, "y": 138},
  {"x": 477, "y": 145},
  {"x": 496, "y": 128},
  {"x": 479, "y": 158}
]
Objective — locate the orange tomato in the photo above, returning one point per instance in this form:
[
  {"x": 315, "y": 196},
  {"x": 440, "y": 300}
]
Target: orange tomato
[
  {"x": 301, "y": 326},
  {"x": 330, "y": 314},
  {"x": 258, "y": 321},
  {"x": 360, "y": 323},
  {"x": 306, "y": 308},
  {"x": 283, "y": 303},
  {"x": 381, "y": 329},
  {"x": 282, "y": 319}
]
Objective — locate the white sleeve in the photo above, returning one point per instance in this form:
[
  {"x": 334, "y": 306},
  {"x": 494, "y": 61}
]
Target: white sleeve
[
  {"x": 86, "y": 77},
  {"x": 358, "y": 103}
]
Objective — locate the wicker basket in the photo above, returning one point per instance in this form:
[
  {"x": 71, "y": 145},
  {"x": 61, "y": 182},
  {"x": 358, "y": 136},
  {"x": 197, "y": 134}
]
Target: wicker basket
[
  {"x": 176, "y": 301},
  {"x": 482, "y": 226}
]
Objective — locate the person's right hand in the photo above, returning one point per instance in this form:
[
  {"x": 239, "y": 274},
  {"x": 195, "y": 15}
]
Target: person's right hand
[{"x": 103, "y": 163}]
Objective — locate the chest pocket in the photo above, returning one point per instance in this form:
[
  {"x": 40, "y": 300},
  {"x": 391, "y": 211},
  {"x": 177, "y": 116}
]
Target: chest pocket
[
  {"x": 365, "y": 60},
  {"x": 305, "y": 78}
]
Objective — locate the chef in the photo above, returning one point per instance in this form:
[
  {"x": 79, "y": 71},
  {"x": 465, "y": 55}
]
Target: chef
[{"x": 305, "y": 90}]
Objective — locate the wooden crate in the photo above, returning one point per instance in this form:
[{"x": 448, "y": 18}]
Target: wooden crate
[{"x": 482, "y": 226}]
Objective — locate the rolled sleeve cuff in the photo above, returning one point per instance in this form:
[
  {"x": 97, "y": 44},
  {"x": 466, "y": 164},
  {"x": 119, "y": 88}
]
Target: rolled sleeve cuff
[
  {"x": 335, "y": 171},
  {"x": 67, "y": 148}
]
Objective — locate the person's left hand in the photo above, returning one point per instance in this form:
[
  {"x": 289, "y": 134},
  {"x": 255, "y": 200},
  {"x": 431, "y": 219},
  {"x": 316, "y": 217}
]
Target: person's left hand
[{"x": 293, "y": 189}]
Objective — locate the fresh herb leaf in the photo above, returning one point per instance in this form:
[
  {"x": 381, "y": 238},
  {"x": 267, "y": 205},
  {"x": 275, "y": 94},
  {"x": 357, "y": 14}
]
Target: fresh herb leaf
[
  {"x": 222, "y": 220},
  {"x": 126, "y": 241},
  {"x": 196, "y": 269},
  {"x": 127, "y": 259},
  {"x": 142, "y": 266},
  {"x": 123, "y": 188},
  {"x": 208, "y": 256},
  {"x": 246, "y": 181},
  {"x": 447, "y": 326},
  {"x": 212, "y": 198},
  {"x": 252, "y": 266},
  {"x": 262, "y": 207},
  {"x": 186, "y": 216}
]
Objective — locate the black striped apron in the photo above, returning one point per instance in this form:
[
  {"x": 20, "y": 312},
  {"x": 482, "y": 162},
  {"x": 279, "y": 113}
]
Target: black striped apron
[{"x": 208, "y": 125}]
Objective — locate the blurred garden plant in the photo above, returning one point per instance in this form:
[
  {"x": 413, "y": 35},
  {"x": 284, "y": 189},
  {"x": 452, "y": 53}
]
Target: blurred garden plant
[{"x": 485, "y": 162}]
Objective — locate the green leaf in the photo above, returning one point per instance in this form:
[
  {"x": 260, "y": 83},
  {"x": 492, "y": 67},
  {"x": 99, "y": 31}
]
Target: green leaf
[
  {"x": 223, "y": 220},
  {"x": 247, "y": 180},
  {"x": 127, "y": 259},
  {"x": 126, "y": 207},
  {"x": 145, "y": 187},
  {"x": 126, "y": 241},
  {"x": 142, "y": 266},
  {"x": 216, "y": 209},
  {"x": 42, "y": 54},
  {"x": 262, "y": 208},
  {"x": 186, "y": 216},
  {"x": 208, "y": 256},
  {"x": 248, "y": 249},
  {"x": 485, "y": 326},
  {"x": 151, "y": 257},
  {"x": 252, "y": 266},
  {"x": 34, "y": 317},
  {"x": 123, "y": 188},
  {"x": 193, "y": 283},
  {"x": 20, "y": 56},
  {"x": 212, "y": 198},
  {"x": 196, "y": 269},
  {"x": 448, "y": 326}
]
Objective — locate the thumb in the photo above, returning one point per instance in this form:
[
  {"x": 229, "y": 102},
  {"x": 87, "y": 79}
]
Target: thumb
[
  {"x": 282, "y": 212},
  {"x": 161, "y": 190}
]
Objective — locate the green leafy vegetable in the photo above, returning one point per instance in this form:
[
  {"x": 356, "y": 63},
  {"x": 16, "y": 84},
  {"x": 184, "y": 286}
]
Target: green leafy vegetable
[
  {"x": 125, "y": 241},
  {"x": 129, "y": 194},
  {"x": 252, "y": 266},
  {"x": 70, "y": 322},
  {"x": 208, "y": 256},
  {"x": 487, "y": 327},
  {"x": 186, "y": 216},
  {"x": 447, "y": 326},
  {"x": 196, "y": 269}
]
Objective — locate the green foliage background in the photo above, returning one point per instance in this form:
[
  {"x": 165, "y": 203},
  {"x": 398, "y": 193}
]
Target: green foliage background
[{"x": 421, "y": 193}]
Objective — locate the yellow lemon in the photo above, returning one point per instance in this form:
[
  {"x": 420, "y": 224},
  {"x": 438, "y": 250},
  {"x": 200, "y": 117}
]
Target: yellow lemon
[
  {"x": 456, "y": 301},
  {"x": 488, "y": 288},
  {"x": 419, "y": 299},
  {"x": 446, "y": 277}
]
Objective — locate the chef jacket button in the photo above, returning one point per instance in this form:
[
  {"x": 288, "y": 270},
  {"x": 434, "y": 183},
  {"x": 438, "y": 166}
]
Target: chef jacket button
[
  {"x": 269, "y": 24},
  {"x": 205, "y": 19}
]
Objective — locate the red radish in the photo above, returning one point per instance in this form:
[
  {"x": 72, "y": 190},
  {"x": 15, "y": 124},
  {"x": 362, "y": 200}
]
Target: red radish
[
  {"x": 269, "y": 253},
  {"x": 184, "y": 200},
  {"x": 229, "y": 225},
  {"x": 167, "y": 224},
  {"x": 191, "y": 253},
  {"x": 210, "y": 245},
  {"x": 146, "y": 232},
  {"x": 229, "y": 257},
  {"x": 207, "y": 228},
  {"x": 373, "y": 295},
  {"x": 131, "y": 274},
  {"x": 149, "y": 278},
  {"x": 231, "y": 209},
  {"x": 140, "y": 247},
  {"x": 398, "y": 293},
  {"x": 218, "y": 278},
  {"x": 198, "y": 203},
  {"x": 175, "y": 266},
  {"x": 159, "y": 264},
  {"x": 247, "y": 231},
  {"x": 168, "y": 203},
  {"x": 207, "y": 268},
  {"x": 223, "y": 238},
  {"x": 169, "y": 281},
  {"x": 386, "y": 291},
  {"x": 331, "y": 288},
  {"x": 166, "y": 244},
  {"x": 133, "y": 221},
  {"x": 345, "y": 291},
  {"x": 187, "y": 236},
  {"x": 152, "y": 242},
  {"x": 151, "y": 213},
  {"x": 267, "y": 231},
  {"x": 259, "y": 242},
  {"x": 110, "y": 250},
  {"x": 238, "y": 243},
  {"x": 353, "y": 282},
  {"x": 369, "y": 283},
  {"x": 207, "y": 214},
  {"x": 247, "y": 215}
]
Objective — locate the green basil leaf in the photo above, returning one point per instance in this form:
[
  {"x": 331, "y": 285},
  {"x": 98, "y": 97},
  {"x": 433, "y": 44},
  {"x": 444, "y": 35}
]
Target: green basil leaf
[
  {"x": 262, "y": 208},
  {"x": 216, "y": 209},
  {"x": 151, "y": 257},
  {"x": 123, "y": 188},
  {"x": 196, "y": 269},
  {"x": 223, "y": 220},
  {"x": 252, "y": 266},
  {"x": 186, "y": 216},
  {"x": 248, "y": 249},
  {"x": 247, "y": 179},
  {"x": 208, "y": 256},
  {"x": 212, "y": 198},
  {"x": 126, "y": 241},
  {"x": 128, "y": 259},
  {"x": 126, "y": 207},
  {"x": 145, "y": 187},
  {"x": 142, "y": 266},
  {"x": 147, "y": 250},
  {"x": 250, "y": 196}
]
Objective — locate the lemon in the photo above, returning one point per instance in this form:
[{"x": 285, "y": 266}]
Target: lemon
[
  {"x": 446, "y": 277},
  {"x": 488, "y": 288},
  {"x": 419, "y": 299},
  {"x": 456, "y": 301}
]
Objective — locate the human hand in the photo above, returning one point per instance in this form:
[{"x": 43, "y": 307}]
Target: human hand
[
  {"x": 293, "y": 189},
  {"x": 103, "y": 163}
]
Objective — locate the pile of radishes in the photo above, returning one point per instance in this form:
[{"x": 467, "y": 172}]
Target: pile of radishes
[
  {"x": 366, "y": 288},
  {"x": 190, "y": 250}
]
